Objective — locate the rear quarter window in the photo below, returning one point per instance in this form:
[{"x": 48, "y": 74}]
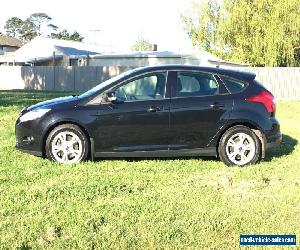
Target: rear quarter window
[{"x": 234, "y": 85}]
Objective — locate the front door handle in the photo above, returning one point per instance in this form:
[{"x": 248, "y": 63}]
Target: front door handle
[
  {"x": 153, "y": 109},
  {"x": 216, "y": 105}
]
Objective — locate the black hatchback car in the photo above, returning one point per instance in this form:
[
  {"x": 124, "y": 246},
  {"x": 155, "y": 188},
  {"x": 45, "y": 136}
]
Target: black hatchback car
[{"x": 161, "y": 111}]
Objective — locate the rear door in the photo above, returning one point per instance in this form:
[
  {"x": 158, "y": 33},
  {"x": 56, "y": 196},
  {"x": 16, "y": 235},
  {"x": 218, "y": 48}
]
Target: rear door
[{"x": 199, "y": 106}]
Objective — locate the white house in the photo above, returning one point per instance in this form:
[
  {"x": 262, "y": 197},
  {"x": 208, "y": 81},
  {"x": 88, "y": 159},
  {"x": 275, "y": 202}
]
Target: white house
[
  {"x": 8, "y": 45},
  {"x": 43, "y": 51},
  {"x": 151, "y": 58},
  {"x": 49, "y": 52}
]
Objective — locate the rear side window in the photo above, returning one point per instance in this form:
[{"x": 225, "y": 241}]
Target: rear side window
[
  {"x": 233, "y": 85},
  {"x": 195, "y": 84}
]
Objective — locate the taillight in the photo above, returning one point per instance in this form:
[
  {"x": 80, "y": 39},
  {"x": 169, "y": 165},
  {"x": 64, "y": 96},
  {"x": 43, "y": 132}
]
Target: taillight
[{"x": 266, "y": 98}]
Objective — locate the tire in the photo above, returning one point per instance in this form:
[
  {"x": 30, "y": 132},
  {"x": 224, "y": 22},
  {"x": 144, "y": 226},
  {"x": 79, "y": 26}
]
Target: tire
[
  {"x": 67, "y": 143},
  {"x": 239, "y": 146}
]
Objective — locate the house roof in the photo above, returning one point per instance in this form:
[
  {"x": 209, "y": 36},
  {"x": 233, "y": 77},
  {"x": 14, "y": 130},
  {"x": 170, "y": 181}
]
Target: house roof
[
  {"x": 139, "y": 54},
  {"x": 40, "y": 48},
  {"x": 10, "y": 41},
  {"x": 196, "y": 57},
  {"x": 159, "y": 54},
  {"x": 75, "y": 52}
]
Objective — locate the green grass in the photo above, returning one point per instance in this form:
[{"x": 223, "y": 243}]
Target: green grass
[{"x": 185, "y": 203}]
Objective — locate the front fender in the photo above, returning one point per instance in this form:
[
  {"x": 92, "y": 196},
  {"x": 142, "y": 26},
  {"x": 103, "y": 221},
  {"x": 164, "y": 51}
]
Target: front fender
[{"x": 56, "y": 119}]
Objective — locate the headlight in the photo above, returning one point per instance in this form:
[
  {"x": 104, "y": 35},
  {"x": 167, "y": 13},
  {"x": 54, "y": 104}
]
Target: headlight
[{"x": 34, "y": 114}]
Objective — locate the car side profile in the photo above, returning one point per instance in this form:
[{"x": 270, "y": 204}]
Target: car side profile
[{"x": 159, "y": 111}]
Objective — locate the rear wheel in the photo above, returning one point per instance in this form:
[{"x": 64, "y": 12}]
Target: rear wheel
[
  {"x": 239, "y": 146},
  {"x": 67, "y": 143}
]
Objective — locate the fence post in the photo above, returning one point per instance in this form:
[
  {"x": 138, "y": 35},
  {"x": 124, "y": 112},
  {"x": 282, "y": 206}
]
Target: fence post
[{"x": 74, "y": 78}]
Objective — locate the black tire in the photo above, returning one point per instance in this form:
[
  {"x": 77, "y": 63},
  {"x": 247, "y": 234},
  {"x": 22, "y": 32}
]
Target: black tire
[
  {"x": 231, "y": 132},
  {"x": 72, "y": 128}
]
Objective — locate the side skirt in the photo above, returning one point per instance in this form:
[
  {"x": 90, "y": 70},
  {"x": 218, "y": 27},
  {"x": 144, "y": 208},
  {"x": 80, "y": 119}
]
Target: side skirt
[
  {"x": 32, "y": 152},
  {"x": 161, "y": 153}
]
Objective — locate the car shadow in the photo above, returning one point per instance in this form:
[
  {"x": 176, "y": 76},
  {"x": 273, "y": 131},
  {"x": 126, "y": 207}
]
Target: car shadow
[{"x": 286, "y": 147}]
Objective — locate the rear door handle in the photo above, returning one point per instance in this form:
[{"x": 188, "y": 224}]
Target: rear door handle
[
  {"x": 153, "y": 109},
  {"x": 216, "y": 105}
]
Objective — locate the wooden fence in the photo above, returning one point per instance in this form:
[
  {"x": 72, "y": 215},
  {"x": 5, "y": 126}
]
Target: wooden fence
[
  {"x": 284, "y": 83},
  {"x": 76, "y": 79}
]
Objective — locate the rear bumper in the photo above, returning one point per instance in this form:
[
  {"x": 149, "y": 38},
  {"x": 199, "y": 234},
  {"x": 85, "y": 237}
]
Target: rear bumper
[{"x": 274, "y": 140}]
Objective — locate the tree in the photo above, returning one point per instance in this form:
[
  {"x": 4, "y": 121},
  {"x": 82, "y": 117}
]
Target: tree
[
  {"x": 257, "y": 32},
  {"x": 141, "y": 44},
  {"x": 29, "y": 28},
  {"x": 64, "y": 34},
  {"x": 13, "y": 27},
  {"x": 28, "y": 31},
  {"x": 35, "y": 25},
  {"x": 38, "y": 20}
]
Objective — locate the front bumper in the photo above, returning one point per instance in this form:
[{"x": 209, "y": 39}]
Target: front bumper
[{"x": 28, "y": 137}]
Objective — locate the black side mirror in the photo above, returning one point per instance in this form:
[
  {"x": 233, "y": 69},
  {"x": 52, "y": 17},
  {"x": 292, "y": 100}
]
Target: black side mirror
[{"x": 111, "y": 96}]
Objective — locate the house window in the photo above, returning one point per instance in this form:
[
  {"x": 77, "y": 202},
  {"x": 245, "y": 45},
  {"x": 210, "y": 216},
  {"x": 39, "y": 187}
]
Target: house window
[{"x": 73, "y": 62}]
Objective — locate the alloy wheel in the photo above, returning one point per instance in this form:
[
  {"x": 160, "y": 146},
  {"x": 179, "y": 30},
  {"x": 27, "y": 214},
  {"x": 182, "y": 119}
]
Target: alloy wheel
[
  {"x": 66, "y": 147},
  {"x": 240, "y": 148}
]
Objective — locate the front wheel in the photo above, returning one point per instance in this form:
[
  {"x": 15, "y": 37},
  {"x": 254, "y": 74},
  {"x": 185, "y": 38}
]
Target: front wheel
[
  {"x": 67, "y": 143},
  {"x": 239, "y": 146}
]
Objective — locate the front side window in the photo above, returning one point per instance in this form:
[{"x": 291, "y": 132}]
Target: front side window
[
  {"x": 195, "y": 84},
  {"x": 147, "y": 87}
]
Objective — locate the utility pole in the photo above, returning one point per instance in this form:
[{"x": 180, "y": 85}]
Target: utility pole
[{"x": 95, "y": 35}]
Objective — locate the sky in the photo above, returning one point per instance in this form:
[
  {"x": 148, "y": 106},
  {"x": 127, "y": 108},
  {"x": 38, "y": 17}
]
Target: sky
[{"x": 120, "y": 22}]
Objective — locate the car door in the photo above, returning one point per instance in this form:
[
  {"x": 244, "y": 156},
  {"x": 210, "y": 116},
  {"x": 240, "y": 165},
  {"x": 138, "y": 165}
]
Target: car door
[
  {"x": 198, "y": 108},
  {"x": 138, "y": 120}
]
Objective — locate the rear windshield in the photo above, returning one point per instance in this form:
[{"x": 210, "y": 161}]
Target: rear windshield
[{"x": 233, "y": 85}]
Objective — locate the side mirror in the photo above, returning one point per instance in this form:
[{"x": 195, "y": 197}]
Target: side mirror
[{"x": 111, "y": 96}]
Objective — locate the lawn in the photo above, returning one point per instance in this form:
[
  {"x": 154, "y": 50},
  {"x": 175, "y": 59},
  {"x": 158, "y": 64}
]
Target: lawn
[{"x": 184, "y": 203}]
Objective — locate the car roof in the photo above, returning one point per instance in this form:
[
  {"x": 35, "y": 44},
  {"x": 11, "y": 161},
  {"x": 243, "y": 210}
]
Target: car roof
[{"x": 242, "y": 75}]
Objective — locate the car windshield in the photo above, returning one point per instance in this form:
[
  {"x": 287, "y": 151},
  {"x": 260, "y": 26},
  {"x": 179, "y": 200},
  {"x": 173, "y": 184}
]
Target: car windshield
[{"x": 106, "y": 83}]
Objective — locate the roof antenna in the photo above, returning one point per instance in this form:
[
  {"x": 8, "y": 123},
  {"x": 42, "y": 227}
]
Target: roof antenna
[{"x": 95, "y": 35}]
